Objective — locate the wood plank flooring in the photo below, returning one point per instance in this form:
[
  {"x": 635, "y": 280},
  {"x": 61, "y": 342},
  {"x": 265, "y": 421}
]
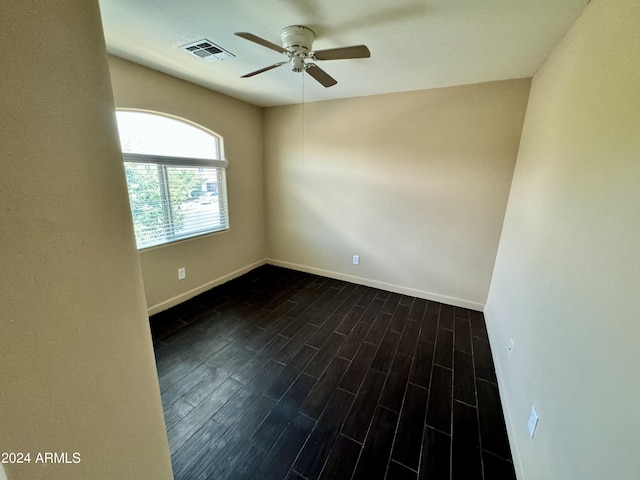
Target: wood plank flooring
[{"x": 285, "y": 375}]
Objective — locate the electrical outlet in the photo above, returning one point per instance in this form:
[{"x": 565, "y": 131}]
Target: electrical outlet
[
  {"x": 356, "y": 259},
  {"x": 182, "y": 273},
  {"x": 510, "y": 349},
  {"x": 533, "y": 421}
]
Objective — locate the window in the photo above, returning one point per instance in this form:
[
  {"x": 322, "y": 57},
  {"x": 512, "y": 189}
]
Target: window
[{"x": 175, "y": 176}]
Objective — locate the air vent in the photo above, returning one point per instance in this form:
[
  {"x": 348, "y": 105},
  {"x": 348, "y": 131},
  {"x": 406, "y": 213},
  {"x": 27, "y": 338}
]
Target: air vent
[{"x": 207, "y": 51}]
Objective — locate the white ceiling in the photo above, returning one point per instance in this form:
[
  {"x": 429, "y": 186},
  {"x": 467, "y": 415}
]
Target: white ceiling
[{"x": 414, "y": 44}]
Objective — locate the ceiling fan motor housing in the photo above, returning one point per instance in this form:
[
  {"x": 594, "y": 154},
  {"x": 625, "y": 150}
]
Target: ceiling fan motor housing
[{"x": 297, "y": 39}]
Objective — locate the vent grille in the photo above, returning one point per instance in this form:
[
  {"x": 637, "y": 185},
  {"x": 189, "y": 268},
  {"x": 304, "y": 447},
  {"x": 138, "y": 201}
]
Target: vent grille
[{"x": 207, "y": 51}]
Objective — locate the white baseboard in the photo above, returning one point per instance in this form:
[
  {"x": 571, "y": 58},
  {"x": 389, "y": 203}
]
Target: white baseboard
[
  {"x": 506, "y": 408},
  {"x": 183, "y": 297},
  {"x": 458, "y": 302}
]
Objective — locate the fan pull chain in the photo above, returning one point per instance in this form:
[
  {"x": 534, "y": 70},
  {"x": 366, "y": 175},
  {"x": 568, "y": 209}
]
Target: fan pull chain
[{"x": 303, "y": 118}]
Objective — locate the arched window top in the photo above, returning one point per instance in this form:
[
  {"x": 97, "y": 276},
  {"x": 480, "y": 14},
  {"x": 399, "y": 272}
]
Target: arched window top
[
  {"x": 176, "y": 177},
  {"x": 150, "y": 133}
]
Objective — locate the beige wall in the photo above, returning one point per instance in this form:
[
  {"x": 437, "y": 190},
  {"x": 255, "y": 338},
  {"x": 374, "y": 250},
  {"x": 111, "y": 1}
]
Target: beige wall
[
  {"x": 567, "y": 278},
  {"x": 415, "y": 183},
  {"x": 77, "y": 372},
  {"x": 211, "y": 259}
]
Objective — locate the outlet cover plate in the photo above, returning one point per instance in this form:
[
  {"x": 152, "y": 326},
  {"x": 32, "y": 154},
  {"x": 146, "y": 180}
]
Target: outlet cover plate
[
  {"x": 510, "y": 349},
  {"x": 533, "y": 421},
  {"x": 181, "y": 274}
]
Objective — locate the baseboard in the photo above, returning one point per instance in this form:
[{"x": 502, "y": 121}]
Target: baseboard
[
  {"x": 458, "y": 302},
  {"x": 506, "y": 408},
  {"x": 183, "y": 297}
]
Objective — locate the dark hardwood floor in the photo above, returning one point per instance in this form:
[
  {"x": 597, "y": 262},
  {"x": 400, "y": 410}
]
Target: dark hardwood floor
[{"x": 286, "y": 375}]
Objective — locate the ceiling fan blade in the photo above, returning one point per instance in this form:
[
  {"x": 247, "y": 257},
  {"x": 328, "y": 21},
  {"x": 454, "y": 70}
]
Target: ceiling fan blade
[
  {"x": 261, "y": 41},
  {"x": 265, "y": 69},
  {"x": 320, "y": 75},
  {"x": 356, "y": 51}
]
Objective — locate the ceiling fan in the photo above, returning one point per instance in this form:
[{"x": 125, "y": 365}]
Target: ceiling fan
[{"x": 296, "y": 45}]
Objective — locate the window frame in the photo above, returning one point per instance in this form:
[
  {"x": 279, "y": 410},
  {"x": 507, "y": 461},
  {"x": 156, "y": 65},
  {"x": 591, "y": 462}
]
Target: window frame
[{"x": 162, "y": 163}]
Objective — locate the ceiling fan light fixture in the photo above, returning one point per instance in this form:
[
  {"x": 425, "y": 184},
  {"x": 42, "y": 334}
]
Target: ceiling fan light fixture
[{"x": 297, "y": 64}]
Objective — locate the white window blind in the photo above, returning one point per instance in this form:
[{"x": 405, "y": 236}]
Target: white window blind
[{"x": 175, "y": 176}]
